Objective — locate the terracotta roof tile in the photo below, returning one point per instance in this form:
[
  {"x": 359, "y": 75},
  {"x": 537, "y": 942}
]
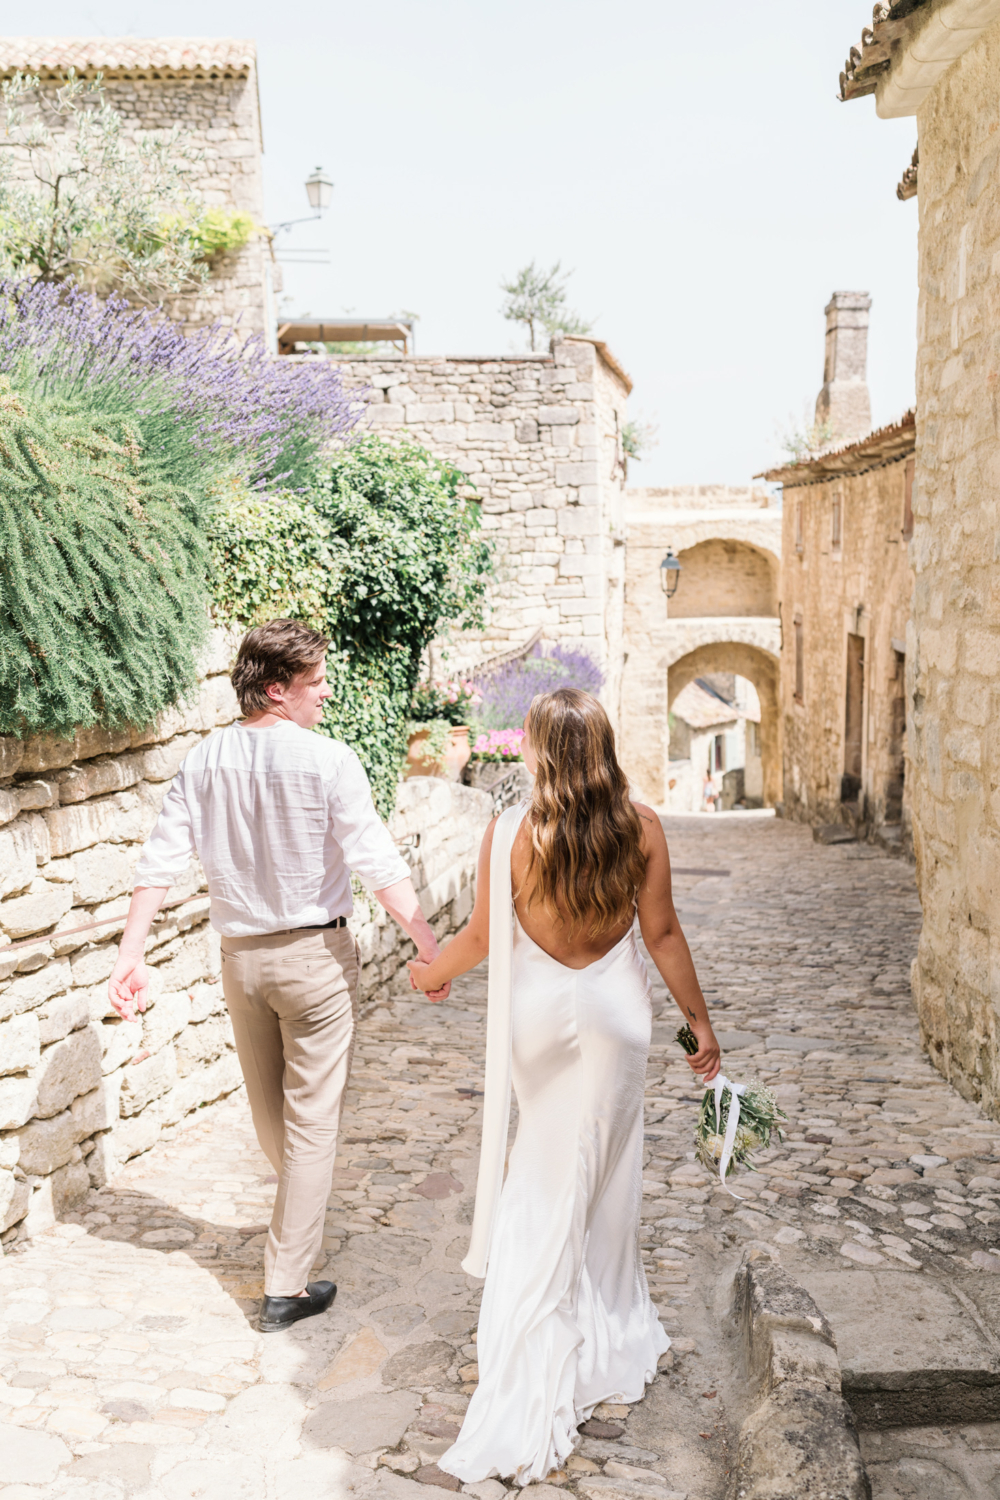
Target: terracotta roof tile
[
  {"x": 702, "y": 708},
  {"x": 865, "y": 64},
  {"x": 886, "y": 445},
  {"x": 129, "y": 56}
]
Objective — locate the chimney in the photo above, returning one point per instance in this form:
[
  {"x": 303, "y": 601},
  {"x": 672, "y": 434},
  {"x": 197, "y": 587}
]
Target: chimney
[{"x": 844, "y": 402}]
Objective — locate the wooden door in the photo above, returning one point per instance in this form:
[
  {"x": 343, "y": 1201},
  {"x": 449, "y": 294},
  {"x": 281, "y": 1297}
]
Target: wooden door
[{"x": 854, "y": 718}]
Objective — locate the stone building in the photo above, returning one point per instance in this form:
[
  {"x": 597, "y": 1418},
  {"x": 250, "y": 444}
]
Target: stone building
[
  {"x": 540, "y": 438},
  {"x": 81, "y": 1090},
  {"x": 714, "y": 732},
  {"x": 846, "y": 587},
  {"x": 940, "y": 62},
  {"x": 723, "y": 618},
  {"x": 208, "y": 85}
]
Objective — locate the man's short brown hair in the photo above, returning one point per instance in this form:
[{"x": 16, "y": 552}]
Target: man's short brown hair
[{"x": 273, "y": 653}]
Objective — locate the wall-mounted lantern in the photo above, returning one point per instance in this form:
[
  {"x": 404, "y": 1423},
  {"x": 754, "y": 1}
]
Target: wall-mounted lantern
[
  {"x": 319, "y": 191},
  {"x": 319, "y": 188},
  {"x": 670, "y": 574}
]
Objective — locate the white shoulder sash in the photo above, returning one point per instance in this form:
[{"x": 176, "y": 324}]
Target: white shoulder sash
[{"x": 496, "y": 1101}]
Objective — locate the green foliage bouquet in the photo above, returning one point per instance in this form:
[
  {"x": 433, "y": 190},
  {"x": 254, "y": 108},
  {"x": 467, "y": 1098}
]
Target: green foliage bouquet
[{"x": 757, "y": 1117}]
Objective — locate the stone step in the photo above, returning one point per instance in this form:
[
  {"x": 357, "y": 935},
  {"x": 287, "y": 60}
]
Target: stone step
[{"x": 914, "y": 1351}]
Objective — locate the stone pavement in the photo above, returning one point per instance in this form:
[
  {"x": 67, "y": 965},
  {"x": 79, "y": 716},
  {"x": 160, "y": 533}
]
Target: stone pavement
[{"x": 129, "y": 1364}]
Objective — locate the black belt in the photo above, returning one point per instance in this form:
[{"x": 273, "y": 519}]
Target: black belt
[{"x": 322, "y": 926}]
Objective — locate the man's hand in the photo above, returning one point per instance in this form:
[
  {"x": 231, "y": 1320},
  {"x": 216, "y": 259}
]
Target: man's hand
[
  {"x": 128, "y": 986},
  {"x": 129, "y": 980},
  {"x": 400, "y": 901},
  {"x": 418, "y": 968}
]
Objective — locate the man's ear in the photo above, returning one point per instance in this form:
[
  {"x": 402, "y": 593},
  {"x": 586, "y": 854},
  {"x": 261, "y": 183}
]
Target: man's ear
[{"x": 275, "y": 691}]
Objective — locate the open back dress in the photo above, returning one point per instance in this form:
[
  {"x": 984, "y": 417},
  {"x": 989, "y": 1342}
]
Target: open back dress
[{"x": 566, "y": 1319}]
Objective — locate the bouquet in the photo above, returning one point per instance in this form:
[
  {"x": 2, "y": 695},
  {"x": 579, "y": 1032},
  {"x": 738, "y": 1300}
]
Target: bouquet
[{"x": 724, "y": 1138}]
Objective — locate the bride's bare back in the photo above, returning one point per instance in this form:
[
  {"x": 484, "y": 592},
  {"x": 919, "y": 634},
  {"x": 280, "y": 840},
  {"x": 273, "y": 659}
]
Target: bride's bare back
[{"x": 545, "y": 924}]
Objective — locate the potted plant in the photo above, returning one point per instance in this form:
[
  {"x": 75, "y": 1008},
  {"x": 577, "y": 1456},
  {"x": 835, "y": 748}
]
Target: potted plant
[{"x": 439, "y": 730}]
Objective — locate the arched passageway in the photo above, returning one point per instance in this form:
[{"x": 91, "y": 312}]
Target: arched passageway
[
  {"x": 671, "y": 656},
  {"x": 760, "y": 667}
]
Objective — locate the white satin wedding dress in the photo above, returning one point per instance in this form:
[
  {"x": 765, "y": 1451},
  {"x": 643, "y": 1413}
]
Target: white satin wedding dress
[{"x": 566, "y": 1320}]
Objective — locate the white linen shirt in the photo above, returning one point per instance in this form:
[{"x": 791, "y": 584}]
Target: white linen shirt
[{"x": 279, "y": 817}]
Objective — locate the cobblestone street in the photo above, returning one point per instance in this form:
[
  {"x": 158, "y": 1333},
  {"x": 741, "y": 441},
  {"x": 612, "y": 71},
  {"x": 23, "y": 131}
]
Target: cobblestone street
[{"x": 129, "y": 1363}]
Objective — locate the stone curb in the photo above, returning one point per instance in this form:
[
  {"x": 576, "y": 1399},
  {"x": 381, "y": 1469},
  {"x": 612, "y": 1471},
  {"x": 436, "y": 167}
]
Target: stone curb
[{"x": 800, "y": 1440}]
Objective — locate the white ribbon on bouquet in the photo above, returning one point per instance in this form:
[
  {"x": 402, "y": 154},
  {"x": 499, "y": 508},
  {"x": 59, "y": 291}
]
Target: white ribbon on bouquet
[{"x": 720, "y": 1082}]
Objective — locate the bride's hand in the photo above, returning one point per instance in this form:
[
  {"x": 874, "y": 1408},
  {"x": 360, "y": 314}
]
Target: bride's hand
[
  {"x": 708, "y": 1058},
  {"x": 418, "y": 979}
]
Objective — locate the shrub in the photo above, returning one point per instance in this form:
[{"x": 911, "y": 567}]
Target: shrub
[
  {"x": 209, "y": 406},
  {"x": 94, "y": 213},
  {"x": 273, "y": 558},
  {"x": 378, "y": 554},
  {"x": 507, "y": 692},
  {"x": 102, "y": 573}
]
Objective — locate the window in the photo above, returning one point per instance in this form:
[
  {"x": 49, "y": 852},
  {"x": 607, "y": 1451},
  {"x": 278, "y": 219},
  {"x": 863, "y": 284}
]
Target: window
[
  {"x": 835, "y": 522},
  {"x": 799, "y": 543},
  {"x": 800, "y": 665},
  {"x": 908, "y": 500}
]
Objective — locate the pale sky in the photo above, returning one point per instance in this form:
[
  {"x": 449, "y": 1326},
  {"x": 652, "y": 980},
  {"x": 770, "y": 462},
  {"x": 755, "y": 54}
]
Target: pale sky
[{"x": 689, "y": 162}]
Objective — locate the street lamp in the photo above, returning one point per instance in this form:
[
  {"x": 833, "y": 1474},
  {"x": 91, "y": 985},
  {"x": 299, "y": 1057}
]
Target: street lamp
[
  {"x": 319, "y": 189},
  {"x": 670, "y": 574}
]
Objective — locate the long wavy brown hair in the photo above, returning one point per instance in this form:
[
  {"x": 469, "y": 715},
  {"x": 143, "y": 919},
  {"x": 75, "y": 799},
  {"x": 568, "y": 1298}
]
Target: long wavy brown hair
[{"x": 586, "y": 838}]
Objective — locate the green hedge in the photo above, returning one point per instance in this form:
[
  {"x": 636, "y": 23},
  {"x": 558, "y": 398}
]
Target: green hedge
[
  {"x": 379, "y": 555},
  {"x": 103, "y": 598}
]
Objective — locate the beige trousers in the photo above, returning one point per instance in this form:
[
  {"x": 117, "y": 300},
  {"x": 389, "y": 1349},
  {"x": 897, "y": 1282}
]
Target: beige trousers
[{"x": 293, "y": 998}]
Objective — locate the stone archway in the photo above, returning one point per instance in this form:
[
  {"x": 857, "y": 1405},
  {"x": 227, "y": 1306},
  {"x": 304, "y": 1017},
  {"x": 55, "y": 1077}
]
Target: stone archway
[
  {"x": 726, "y": 576},
  {"x": 761, "y": 668}
]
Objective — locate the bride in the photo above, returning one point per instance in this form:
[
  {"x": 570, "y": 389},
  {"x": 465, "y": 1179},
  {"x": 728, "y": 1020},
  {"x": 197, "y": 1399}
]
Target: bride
[{"x": 566, "y": 1320}]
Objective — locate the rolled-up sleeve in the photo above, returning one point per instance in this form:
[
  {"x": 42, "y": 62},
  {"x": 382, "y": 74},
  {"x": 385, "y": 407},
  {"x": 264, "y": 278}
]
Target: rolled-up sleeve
[
  {"x": 368, "y": 847},
  {"x": 170, "y": 848}
]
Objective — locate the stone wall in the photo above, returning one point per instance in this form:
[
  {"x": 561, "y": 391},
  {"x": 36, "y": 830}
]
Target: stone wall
[
  {"x": 955, "y": 634},
  {"x": 539, "y": 436},
  {"x": 721, "y": 619},
  {"x": 209, "y": 87},
  {"x": 831, "y": 593},
  {"x": 81, "y": 1090}
]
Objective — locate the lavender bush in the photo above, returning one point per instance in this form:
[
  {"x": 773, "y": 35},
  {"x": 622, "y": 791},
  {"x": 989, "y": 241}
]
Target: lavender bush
[
  {"x": 206, "y": 404},
  {"x": 507, "y": 692}
]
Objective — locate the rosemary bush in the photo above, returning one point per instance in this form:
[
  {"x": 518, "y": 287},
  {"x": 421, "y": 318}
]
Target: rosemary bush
[
  {"x": 118, "y": 436},
  {"x": 102, "y": 573}
]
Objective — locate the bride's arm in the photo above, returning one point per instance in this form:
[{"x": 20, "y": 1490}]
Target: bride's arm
[
  {"x": 667, "y": 945},
  {"x": 472, "y": 944}
]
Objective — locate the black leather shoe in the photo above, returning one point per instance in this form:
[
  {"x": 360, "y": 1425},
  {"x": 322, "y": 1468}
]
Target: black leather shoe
[{"x": 282, "y": 1312}]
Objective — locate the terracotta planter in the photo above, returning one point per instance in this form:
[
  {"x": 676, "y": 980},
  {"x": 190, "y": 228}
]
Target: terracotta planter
[
  {"x": 449, "y": 765},
  {"x": 457, "y": 752}
]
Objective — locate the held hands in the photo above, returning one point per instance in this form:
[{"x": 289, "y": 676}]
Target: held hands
[
  {"x": 128, "y": 985},
  {"x": 419, "y": 968},
  {"x": 708, "y": 1059}
]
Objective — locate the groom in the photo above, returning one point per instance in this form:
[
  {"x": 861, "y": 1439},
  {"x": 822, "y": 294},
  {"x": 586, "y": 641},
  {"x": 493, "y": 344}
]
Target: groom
[{"x": 279, "y": 817}]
